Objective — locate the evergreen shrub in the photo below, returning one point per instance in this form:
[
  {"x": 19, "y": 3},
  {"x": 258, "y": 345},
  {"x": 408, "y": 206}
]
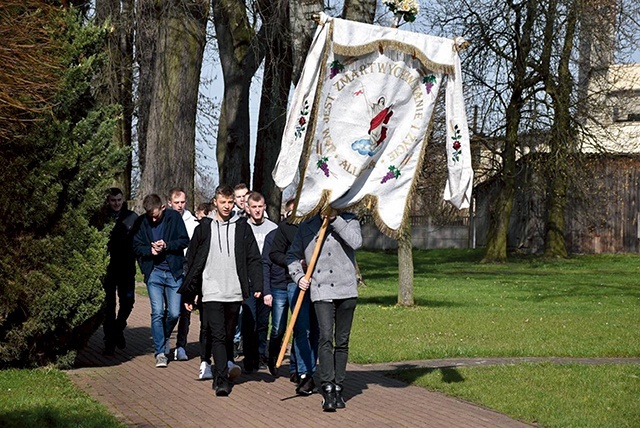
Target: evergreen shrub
[{"x": 52, "y": 260}]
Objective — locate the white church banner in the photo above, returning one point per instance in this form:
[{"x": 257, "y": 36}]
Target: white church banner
[{"x": 360, "y": 117}]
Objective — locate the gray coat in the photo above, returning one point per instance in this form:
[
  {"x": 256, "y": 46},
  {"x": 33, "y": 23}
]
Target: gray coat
[{"x": 334, "y": 276}]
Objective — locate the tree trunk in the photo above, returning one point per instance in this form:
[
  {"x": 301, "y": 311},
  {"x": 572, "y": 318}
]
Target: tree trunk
[
  {"x": 302, "y": 29},
  {"x": 562, "y": 144},
  {"x": 359, "y": 10},
  {"x": 273, "y": 105},
  {"x": 497, "y": 236},
  {"x": 405, "y": 267},
  {"x": 500, "y": 211},
  {"x": 232, "y": 149},
  {"x": 241, "y": 52},
  {"x": 147, "y": 27},
  {"x": 496, "y": 250},
  {"x": 118, "y": 78},
  {"x": 170, "y": 147}
]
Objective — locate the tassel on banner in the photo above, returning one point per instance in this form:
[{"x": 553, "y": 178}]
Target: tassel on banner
[{"x": 460, "y": 44}]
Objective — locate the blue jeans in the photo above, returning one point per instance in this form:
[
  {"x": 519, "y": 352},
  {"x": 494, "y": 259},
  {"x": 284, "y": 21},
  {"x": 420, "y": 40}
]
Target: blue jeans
[
  {"x": 163, "y": 287},
  {"x": 305, "y": 332},
  {"x": 237, "y": 337},
  {"x": 279, "y": 312}
]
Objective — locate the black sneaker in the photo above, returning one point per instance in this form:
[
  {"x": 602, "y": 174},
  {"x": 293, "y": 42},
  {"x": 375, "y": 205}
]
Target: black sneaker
[
  {"x": 263, "y": 362},
  {"x": 271, "y": 365},
  {"x": 249, "y": 365},
  {"x": 340, "y": 403},
  {"x": 306, "y": 385},
  {"x": 222, "y": 387},
  {"x": 109, "y": 349},
  {"x": 329, "y": 398},
  {"x": 238, "y": 349},
  {"x": 294, "y": 378},
  {"x": 121, "y": 343}
]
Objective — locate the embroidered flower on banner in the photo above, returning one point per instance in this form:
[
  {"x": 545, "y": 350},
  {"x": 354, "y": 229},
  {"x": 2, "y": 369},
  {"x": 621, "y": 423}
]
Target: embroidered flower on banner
[
  {"x": 429, "y": 81},
  {"x": 336, "y": 67},
  {"x": 302, "y": 120},
  {"x": 392, "y": 173},
  {"x": 322, "y": 164},
  {"x": 457, "y": 146},
  {"x": 407, "y": 8}
]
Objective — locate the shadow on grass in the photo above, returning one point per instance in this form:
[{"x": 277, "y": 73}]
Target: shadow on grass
[
  {"x": 449, "y": 374},
  {"x": 358, "y": 381},
  {"x": 384, "y": 264},
  {"x": 595, "y": 291},
  {"x": 392, "y": 300},
  {"x": 41, "y": 416}
]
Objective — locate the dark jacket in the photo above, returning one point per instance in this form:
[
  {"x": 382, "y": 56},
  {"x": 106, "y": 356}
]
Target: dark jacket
[
  {"x": 175, "y": 236},
  {"x": 248, "y": 260},
  {"x": 122, "y": 260},
  {"x": 274, "y": 276},
  {"x": 280, "y": 246}
]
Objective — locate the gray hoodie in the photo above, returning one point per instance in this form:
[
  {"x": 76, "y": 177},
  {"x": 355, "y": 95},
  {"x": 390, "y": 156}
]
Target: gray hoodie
[{"x": 220, "y": 281}]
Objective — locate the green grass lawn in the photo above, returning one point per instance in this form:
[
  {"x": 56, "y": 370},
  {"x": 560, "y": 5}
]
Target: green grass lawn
[
  {"x": 553, "y": 396},
  {"x": 587, "y": 306},
  {"x": 48, "y": 398}
]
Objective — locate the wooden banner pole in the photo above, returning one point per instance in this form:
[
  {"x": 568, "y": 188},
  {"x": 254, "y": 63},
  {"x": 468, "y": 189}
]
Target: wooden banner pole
[{"x": 296, "y": 310}]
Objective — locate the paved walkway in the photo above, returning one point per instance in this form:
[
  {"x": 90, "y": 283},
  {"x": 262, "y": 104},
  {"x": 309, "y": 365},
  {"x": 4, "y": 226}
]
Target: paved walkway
[{"x": 141, "y": 395}]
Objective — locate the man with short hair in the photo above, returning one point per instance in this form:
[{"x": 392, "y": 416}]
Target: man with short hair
[
  {"x": 223, "y": 268},
  {"x": 246, "y": 204},
  {"x": 159, "y": 244},
  {"x": 178, "y": 201},
  {"x": 240, "y": 192},
  {"x": 255, "y": 314},
  {"x": 121, "y": 272}
]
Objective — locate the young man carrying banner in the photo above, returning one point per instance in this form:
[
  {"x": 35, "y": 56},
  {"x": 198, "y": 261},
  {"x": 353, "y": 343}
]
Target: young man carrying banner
[{"x": 334, "y": 291}]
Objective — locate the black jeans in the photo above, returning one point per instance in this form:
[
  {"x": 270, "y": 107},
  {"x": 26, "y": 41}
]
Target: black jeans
[
  {"x": 334, "y": 322},
  {"x": 255, "y": 325},
  {"x": 124, "y": 287},
  {"x": 183, "y": 326},
  {"x": 219, "y": 321}
]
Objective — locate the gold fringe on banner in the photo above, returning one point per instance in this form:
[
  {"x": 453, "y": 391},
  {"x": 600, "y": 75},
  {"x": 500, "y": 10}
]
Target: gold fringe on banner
[
  {"x": 396, "y": 45},
  {"x": 311, "y": 132}
]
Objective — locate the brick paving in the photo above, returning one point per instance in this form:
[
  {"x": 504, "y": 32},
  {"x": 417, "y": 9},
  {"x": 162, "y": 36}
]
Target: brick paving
[{"x": 141, "y": 395}]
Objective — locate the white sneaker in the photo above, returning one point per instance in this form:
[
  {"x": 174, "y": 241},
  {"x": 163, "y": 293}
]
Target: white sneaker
[
  {"x": 234, "y": 371},
  {"x": 161, "y": 360},
  {"x": 180, "y": 354},
  {"x": 205, "y": 371}
]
